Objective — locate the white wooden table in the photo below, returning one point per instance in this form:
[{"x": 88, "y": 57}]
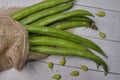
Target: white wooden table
[{"x": 110, "y": 24}]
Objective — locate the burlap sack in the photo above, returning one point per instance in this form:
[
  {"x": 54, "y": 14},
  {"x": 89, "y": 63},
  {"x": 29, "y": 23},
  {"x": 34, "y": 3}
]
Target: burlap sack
[
  {"x": 14, "y": 47},
  {"x": 13, "y": 44}
]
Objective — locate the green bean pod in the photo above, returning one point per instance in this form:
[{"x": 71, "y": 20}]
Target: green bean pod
[
  {"x": 36, "y": 7},
  {"x": 75, "y": 21},
  {"x": 52, "y": 41},
  {"x": 79, "y": 18},
  {"x": 71, "y": 24},
  {"x": 60, "y": 16},
  {"x": 70, "y": 52},
  {"x": 65, "y": 35},
  {"x": 46, "y": 12}
]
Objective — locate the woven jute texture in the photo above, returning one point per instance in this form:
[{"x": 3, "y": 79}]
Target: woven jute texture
[{"x": 14, "y": 46}]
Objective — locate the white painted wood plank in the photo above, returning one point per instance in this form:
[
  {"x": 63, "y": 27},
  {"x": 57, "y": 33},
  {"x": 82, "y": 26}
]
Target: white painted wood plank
[
  {"x": 40, "y": 71},
  {"x": 111, "y": 4},
  {"x": 111, "y": 20},
  {"x": 17, "y": 3}
]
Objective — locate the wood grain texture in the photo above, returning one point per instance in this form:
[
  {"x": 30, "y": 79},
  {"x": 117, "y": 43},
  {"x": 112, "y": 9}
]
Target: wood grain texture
[
  {"x": 112, "y": 5},
  {"x": 110, "y": 24}
]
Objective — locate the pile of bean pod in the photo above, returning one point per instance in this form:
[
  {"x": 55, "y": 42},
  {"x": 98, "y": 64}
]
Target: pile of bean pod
[{"x": 47, "y": 22}]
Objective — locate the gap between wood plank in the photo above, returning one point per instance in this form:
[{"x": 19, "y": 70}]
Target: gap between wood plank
[
  {"x": 97, "y": 8},
  {"x": 102, "y": 39}
]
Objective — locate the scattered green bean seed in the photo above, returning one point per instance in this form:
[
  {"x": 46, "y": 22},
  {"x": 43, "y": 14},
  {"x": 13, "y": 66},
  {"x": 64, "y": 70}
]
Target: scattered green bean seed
[
  {"x": 83, "y": 67},
  {"x": 75, "y": 73},
  {"x": 56, "y": 76},
  {"x": 62, "y": 61},
  {"x": 50, "y": 65},
  {"x": 101, "y": 14},
  {"x": 102, "y": 34}
]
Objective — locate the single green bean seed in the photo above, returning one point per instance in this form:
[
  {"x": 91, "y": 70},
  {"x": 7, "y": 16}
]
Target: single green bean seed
[
  {"x": 56, "y": 76},
  {"x": 102, "y": 34},
  {"x": 101, "y": 14},
  {"x": 75, "y": 73},
  {"x": 50, "y": 65},
  {"x": 84, "y": 68},
  {"x": 62, "y": 61}
]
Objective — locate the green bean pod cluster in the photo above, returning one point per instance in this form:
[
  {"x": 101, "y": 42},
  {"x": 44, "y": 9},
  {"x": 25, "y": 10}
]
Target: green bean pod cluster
[{"x": 47, "y": 21}]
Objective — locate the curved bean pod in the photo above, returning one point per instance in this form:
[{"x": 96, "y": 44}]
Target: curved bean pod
[
  {"x": 76, "y": 21},
  {"x": 46, "y": 12},
  {"x": 71, "y": 24},
  {"x": 52, "y": 41},
  {"x": 79, "y": 18},
  {"x": 70, "y": 52},
  {"x": 61, "y": 16},
  {"x": 36, "y": 7},
  {"x": 74, "y": 18},
  {"x": 65, "y": 35}
]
